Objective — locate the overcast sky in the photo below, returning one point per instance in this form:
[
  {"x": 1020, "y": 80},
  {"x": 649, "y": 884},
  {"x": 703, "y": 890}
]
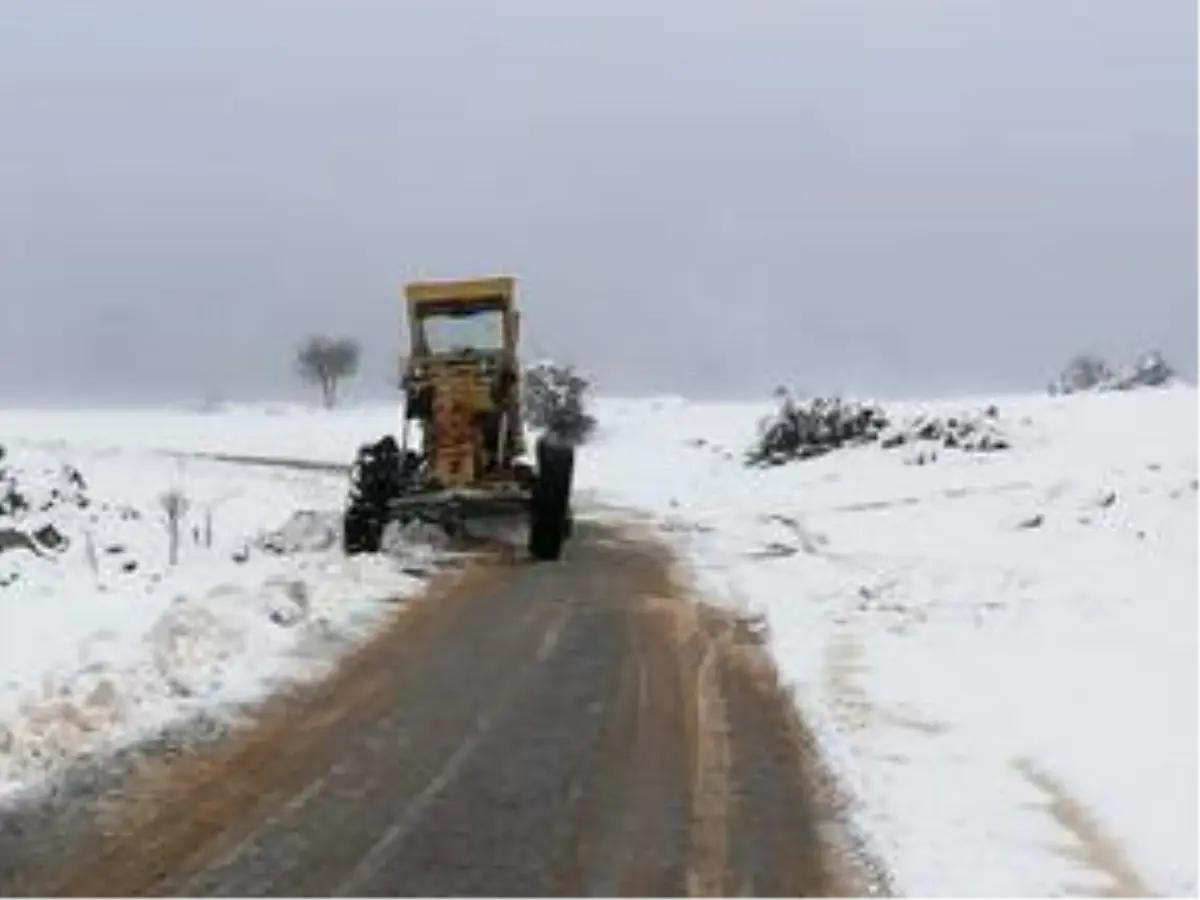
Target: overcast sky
[{"x": 699, "y": 197}]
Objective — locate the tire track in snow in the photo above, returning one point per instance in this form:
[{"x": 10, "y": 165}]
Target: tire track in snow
[{"x": 1092, "y": 847}]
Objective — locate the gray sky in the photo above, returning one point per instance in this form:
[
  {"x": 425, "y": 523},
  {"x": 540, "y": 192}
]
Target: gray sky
[{"x": 700, "y": 197}]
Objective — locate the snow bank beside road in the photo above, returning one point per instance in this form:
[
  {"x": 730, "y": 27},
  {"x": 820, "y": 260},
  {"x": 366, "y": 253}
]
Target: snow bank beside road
[
  {"x": 104, "y": 643},
  {"x": 999, "y": 650}
]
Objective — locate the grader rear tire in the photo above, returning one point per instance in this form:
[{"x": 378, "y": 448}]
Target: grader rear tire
[
  {"x": 550, "y": 505},
  {"x": 377, "y": 475},
  {"x": 362, "y": 531}
]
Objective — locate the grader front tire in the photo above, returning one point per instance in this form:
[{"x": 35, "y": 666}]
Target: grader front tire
[{"x": 550, "y": 505}]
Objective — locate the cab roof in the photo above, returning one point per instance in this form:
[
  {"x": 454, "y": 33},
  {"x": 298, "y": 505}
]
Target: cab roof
[{"x": 468, "y": 290}]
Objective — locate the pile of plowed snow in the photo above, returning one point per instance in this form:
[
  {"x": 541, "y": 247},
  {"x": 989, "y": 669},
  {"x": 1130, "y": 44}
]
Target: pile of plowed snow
[{"x": 104, "y": 642}]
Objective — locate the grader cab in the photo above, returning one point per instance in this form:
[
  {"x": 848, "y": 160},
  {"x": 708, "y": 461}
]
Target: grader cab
[
  {"x": 461, "y": 376},
  {"x": 461, "y": 383}
]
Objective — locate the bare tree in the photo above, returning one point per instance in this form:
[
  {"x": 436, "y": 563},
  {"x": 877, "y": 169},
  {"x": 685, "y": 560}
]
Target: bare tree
[{"x": 326, "y": 361}]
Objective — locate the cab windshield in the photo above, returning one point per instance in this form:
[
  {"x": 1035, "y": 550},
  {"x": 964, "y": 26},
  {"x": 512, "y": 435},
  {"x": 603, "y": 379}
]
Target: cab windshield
[{"x": 481, "y": 330}]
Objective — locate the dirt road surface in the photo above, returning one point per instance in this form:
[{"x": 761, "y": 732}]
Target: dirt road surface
[{"x": 577, "y": 728}]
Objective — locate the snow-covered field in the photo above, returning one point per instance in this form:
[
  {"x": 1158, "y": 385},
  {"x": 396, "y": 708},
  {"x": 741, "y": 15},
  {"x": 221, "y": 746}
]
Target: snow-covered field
[{"x": 997, "y": 650}]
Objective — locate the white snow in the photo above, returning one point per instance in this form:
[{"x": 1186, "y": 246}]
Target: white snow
[
  {"x": 965, "y": 673},
  {"x": 280, "y": 430},
  {"x": 1013, "y": 708},
  {"x": 106, "y": 643}
]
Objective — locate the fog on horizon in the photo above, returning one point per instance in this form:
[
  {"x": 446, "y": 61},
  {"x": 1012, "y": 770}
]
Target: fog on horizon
[{"x": 708, "y": 198}]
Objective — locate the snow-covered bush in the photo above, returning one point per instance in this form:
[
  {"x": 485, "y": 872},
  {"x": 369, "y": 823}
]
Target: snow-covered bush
[
  {"x": 971, "y": 432},
  {"x": 1150, "y": 370},
  {"x": 814, "y": 427},
  {"x": 28, "y": 493},
  {"x": 1087, "y": 372},
  {"x": 42, "y": 503},
  {"x": 554, "y": 397},
  {"x": 801, "y": 430},
  {"x": 1084, "y": 372}
]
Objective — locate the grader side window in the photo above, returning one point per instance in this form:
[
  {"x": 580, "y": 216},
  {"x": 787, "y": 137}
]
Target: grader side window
[{"x": 478, "y": 330}]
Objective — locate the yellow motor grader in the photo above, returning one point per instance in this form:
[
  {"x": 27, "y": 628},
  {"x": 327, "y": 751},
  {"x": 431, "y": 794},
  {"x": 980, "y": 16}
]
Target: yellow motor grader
[{"x": 461, "y": 383}]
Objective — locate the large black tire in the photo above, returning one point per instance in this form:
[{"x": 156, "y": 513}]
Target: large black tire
[
  {"x": 378, "y": 475},
  {"x": 550, "y": 505},
  {"x": 362, "y": 530}
]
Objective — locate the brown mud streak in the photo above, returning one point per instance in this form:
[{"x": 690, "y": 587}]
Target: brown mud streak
[
  {"x": 780, "y": 851},
  {"x": 787, "y": 803},
  {"x": 661, "y": 793},
  {"x": 697, "y": 674},
  {"x": 179, "y": 813},
  {"x": 710, "y": 873},
  {"x": 627, "y": 831},
  {"x": 1093, "y": 849},
  {"x": 757, "y": 775},
  {"x": 588, "y": 862}
]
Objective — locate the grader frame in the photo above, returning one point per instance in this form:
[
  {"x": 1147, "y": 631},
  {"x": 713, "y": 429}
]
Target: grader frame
[{"x": 461, "y": 384}]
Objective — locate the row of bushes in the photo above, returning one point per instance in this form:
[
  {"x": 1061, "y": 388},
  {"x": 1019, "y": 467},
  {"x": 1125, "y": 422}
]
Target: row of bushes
[
  {"x": 1089, "y": 372},
  {"x": 817, "y": 426}
]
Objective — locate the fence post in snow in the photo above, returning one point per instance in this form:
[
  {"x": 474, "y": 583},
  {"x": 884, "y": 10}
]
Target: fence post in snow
[{"x": 175, "y": 505}]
